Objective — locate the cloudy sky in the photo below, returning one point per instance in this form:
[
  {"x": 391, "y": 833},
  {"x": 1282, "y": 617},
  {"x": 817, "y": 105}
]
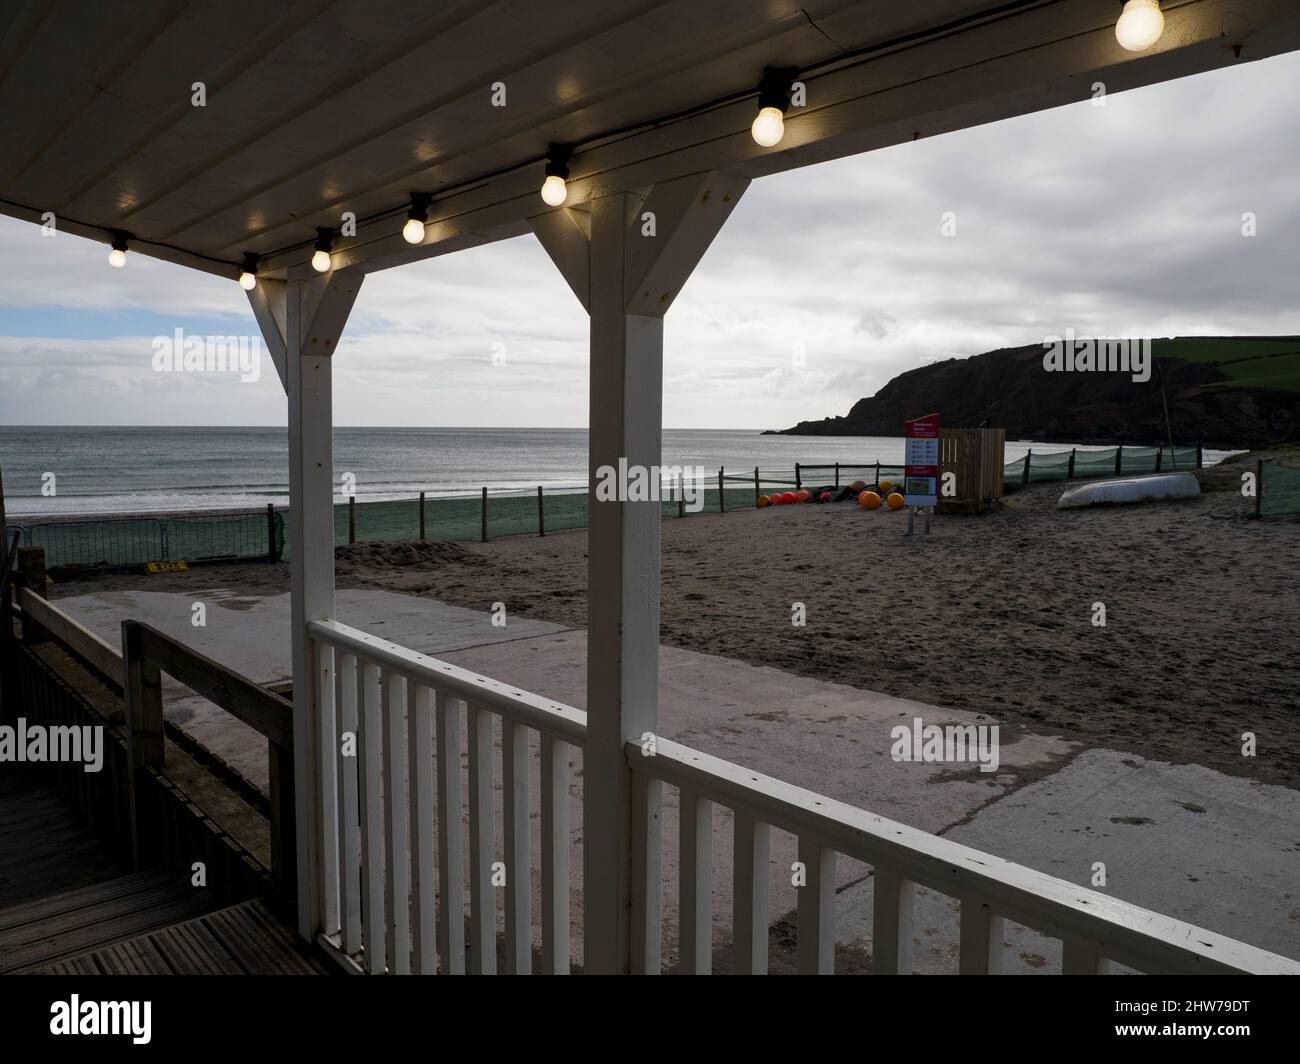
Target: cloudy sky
[{"x": 1124, "y": 219}]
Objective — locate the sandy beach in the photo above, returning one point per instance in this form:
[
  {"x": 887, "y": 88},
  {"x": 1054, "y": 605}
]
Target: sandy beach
[{"x": 991, "y": 614}]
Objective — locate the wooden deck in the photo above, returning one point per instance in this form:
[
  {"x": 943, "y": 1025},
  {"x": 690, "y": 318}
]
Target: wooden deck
[{"x": 68, "y": 910}]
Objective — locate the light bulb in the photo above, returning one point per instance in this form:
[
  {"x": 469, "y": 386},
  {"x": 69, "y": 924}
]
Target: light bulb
[
  {"x": 413, "y": 231},
  {"x": 320, "y": 261},
  {"x": 1140, "y": 25},
  {"x": 247, "y": 281},
  {"x": 768, "y": 127},
  {"x": 554, "y": 190},
  {"x": 117, "y": 257}
]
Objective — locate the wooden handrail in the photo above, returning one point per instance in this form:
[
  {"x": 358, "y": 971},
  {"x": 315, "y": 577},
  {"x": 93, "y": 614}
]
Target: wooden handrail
[
  {"x": 101, "y": 656},
  {"x": 267, "y": 713}
]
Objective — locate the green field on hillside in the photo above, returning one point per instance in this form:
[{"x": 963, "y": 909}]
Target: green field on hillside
[{"x": 1272, "y": 362}]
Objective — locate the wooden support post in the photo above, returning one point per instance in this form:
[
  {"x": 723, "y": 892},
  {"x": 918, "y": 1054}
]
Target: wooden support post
[
  {"x": 757, "y": 490},
  {"x": 1069, "y": 473},
  {"x": 284, "y": 865},
  {"x": 144, "y": 732},
  {"x": 483, "y": 531},
  {"x": 541, "y": 513},
  {"x": 797, "y": 477},
  {"x": 1024, "y": 477},
  {"x": 301, "y": 320},
  {"x": 1119, "y": 459},
  {"x": 352, "y": 519},
  {"x": 1200, "y": 457},
  {"x": 421, "y": 517},
  {"x": 272, "y": 555},
  {"x": 627, "y": 280},
  {"x": 837, "y": 474},
  {"x": 877, "y": 474},
  {"x": 722, "y": 493},
  {"x": 681, "y": 496},
  {"x": 1159, "y": 454}
]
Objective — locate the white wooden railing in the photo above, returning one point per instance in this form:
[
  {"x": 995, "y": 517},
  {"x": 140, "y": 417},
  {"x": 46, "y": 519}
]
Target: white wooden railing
[{"x": 381, "y": 813}]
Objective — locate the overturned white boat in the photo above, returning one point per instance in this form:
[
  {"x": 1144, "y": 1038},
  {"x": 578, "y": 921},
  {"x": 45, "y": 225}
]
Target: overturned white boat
[{"x": 1132, "y": 489}]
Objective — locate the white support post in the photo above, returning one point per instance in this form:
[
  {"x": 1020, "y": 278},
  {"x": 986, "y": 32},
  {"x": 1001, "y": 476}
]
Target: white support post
[
  {"x": 301, "y": 321},
  {"x": 626, "y": 262}
]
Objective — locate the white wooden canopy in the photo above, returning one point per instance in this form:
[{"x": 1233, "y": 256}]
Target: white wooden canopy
[{"x": 315, "y": 107}]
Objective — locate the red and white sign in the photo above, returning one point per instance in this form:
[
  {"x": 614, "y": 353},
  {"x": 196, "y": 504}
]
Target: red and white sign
[{"x": 921, "y": 463}]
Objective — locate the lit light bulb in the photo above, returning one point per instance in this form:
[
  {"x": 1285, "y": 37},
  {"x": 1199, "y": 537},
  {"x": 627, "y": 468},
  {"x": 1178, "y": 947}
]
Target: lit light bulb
[
  {"x": 768, "y": 127},
  {"x": 554, "y": 190},
  {"x": 1140, "y": 25},
  {"x": 320, "y": 261},
  {"x": 247, "y": 281},
  {"x": 117, "y": 257},
  {"x": 413, "y": 231}
]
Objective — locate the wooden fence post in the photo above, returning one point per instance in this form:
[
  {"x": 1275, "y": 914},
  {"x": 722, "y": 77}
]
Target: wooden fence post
[
  {"x": 722, "y": 495},
  {"x": 1160, "y": 452},
  {"x": 1024, "y": 478},
  {"x": 797, "y": 484},
  {"x": 757, "y": 491},
  {"x": 284, "y": 843},
  {"x": 484, "y": 530},
  {"x": 352, "y": 518},
  {"x": 271, "y": 552},
  {"x": 1069, "y": 473},
  {"x": 421, "y": 517},
  {"x": 541, "y": 513},
  {"x": 1200, "y": 457},
  {"x": 144, "y": 729},
  {"x": 877, "y": 474},
  {"x": 1119, "y": 459}
]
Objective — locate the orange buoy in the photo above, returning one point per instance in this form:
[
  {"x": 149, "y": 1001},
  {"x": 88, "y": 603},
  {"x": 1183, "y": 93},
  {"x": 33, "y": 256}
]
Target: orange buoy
[
  {"x": 763, "y": 500},
  {"x": 802, "y": 495},
  {"x": 895, "y": 501},
  {"x": 789, "y": 496},
  {"x": 885, "y": 485},
  {"x": 869, "y": 500}
]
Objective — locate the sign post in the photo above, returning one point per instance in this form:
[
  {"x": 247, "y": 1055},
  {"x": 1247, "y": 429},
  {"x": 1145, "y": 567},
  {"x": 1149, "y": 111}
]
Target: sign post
[{"x": 921, "y": 466}]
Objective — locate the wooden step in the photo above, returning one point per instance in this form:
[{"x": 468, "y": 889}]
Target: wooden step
[
  {"x": 244, "y": 939},
  {"x": 78, "y": 921}
]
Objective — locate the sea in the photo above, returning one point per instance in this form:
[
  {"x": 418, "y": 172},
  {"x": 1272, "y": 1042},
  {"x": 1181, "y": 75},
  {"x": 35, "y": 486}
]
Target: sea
[{"x": 115, "y": 470}]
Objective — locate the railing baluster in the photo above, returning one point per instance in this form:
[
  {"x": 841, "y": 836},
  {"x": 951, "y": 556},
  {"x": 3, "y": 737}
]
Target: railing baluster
[
  {"x": 347, "y": 684},
  {"x": 424, "y": 925},
  {"x": 981, "y": 939},
  {"x": 695, "y": 956},
  {"x": 397, "y": 883},
  {"x": 891, "y": 935},
  {"x": 647, "y": 874},
  {"x": 555, "y": 856},
  {"x": 1078, "y": 958},
  {"x": 482, "y": 844},
  {"x": 329, "y": 811},
  {"x": 817, "y": 910},
  {"x": 750, "y": 895},
  {"x": 519, "y": 904},
  {"x": 451, "y": 839},
  {"x": 372, "y": 830}
]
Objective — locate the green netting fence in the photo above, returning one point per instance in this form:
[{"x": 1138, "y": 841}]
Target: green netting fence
[
  {"x": 1108, "y": 462},
  {"x": 1278, "y": 490},
  {"x": 127, "y": 541},
  {"x": 259, "y": 536}
]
